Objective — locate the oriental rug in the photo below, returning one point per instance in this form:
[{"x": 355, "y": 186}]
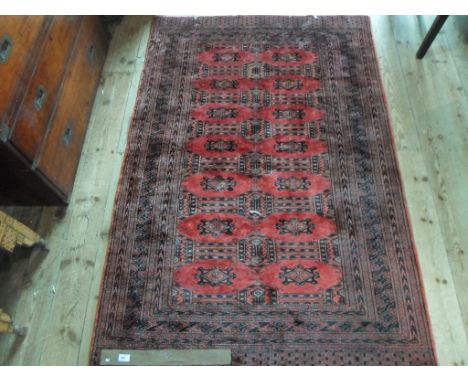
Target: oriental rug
[{"x": 260, "y": 207}]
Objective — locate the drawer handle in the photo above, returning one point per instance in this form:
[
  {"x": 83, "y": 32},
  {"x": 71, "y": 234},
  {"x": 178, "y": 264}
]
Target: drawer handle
[
  {"x": 40, "y": 98},
  {"x": 6, "y": 46},
  {"x": 91, "y": 53},
  {"x": 67, "y": 135}
]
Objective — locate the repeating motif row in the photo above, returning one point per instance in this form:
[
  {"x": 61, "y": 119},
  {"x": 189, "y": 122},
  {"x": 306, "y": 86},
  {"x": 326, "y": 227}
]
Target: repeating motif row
[{"x": 218, "y": 276}]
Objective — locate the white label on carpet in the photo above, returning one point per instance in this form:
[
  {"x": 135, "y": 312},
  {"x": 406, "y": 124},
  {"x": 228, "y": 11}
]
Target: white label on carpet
[{"x": 124, "y": 358}]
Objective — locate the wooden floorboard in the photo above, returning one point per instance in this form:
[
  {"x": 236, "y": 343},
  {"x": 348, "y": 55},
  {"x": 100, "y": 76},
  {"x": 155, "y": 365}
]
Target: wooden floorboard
[{"x": 55, "y": 295}]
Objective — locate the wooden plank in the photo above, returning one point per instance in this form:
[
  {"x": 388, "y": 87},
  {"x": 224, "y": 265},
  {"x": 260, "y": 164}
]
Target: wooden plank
[
  {"x": 441, "y": 123},
  {"x": 144, "y": 24},
  {"x": 169, "y": 357},
  {"x": 31, "y": 290},
  {"x": 453, "y": 37},
  {"x": 86, "y": 236}
]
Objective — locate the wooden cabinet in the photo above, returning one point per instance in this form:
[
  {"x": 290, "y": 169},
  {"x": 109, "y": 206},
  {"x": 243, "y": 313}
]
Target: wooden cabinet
[
  {"x": 49, "y": 72},
  {"x": 20, "y": 39}
]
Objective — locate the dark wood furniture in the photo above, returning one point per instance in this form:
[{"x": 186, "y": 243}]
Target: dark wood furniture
[
  {"x": 49, "y": 72},
  {"x": 430, "y": 36}
]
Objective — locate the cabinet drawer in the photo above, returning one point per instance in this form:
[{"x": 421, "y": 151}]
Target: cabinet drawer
[
  {"x": 33, "y": 116},
  {"x": 62, "y": 149},
  {"x": 20, "y": 39}
]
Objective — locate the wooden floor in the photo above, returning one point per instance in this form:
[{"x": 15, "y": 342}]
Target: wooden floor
[{"x": 55, "y": 294}]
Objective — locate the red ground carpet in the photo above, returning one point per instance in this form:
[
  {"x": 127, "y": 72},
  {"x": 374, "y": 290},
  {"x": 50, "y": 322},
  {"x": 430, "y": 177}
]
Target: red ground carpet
[{"x": 260, "y": 206}]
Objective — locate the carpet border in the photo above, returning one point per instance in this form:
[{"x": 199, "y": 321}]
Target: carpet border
[
  {"x": 405, "y": 198},
  {"x": 119, "y": 192}
]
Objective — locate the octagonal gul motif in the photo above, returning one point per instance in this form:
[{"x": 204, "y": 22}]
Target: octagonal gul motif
[
  {"x": 298, "y": 226},
  {"x": 288, "y": 57},
  {"x": 289, "y": 84},
  {"x": 290, "y": 114},
  {"x": 225, "y": 57},
  {"x": 222, "y": 113},
  {"x": 292, "y": 146},
  {"x": 220, "y": 146},
  {"x": 293, "y": 184},
  {"x": 217, "y": 184},
  {"x": 216, "y": 227},
  {"x": 214, "y": 276},
  {"x": 300, "y": 276},
  {"x": 226, "y": 84},
  {"x": 295, "y": 226}
]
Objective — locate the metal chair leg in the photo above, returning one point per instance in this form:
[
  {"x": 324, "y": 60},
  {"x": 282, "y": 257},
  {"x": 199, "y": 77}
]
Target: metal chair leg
[{"x": 430, "y": 36}]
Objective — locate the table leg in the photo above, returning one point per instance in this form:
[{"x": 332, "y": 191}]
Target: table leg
[{"x": 430, "y": 36}]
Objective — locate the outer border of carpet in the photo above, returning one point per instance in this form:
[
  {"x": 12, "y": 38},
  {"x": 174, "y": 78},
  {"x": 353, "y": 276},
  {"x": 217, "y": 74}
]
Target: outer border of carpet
[
  {"x": 405, "y": 198},
  {"x": 373, "y": 52}
]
